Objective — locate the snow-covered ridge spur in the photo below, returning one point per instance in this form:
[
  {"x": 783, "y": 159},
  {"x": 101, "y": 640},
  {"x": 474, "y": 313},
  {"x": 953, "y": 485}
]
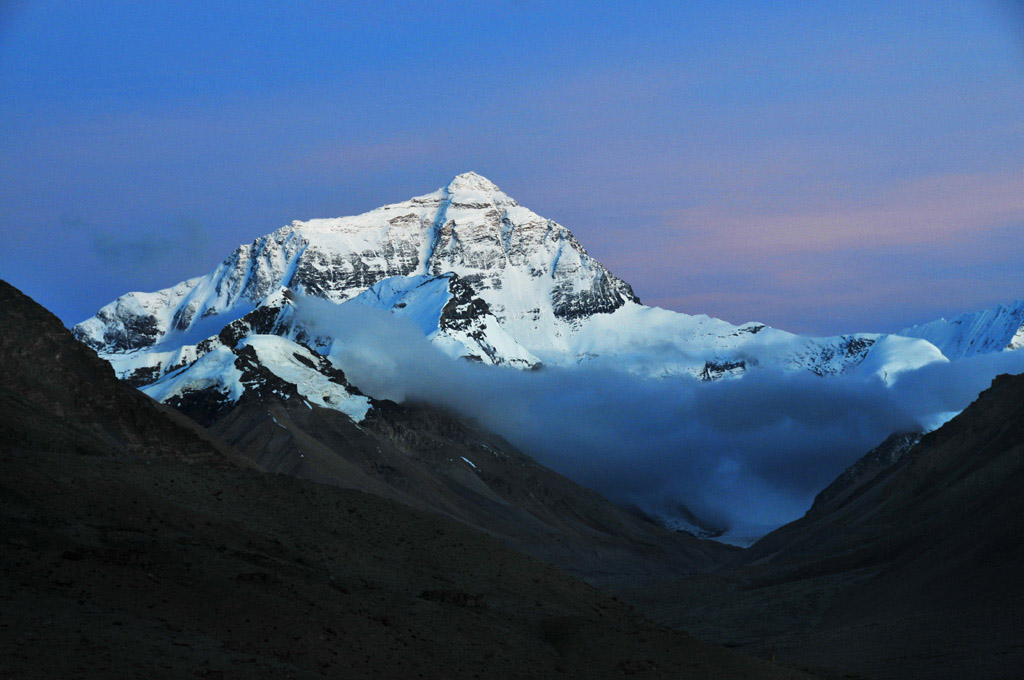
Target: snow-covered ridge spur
[
  {"x": 481, "y": 276},
  {"x": 991, "y": 330}
]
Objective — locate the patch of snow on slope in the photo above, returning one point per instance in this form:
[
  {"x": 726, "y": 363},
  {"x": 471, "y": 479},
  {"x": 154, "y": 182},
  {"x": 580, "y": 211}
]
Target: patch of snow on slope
[
  {"x": 135, "y": 319},
  {"x": 282, "y": 358},
  {"x": 423, "y": 299},
  {"x": 127, "y": 363},
  {"x": 419, "y": 299},
  {"x": 216, "y": 370}
]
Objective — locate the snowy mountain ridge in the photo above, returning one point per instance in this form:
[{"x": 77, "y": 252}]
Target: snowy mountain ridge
[{"x": 990, "y": 330}]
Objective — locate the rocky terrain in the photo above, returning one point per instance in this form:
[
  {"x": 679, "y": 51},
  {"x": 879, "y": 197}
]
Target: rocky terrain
[{"x": 133, "y": 547}]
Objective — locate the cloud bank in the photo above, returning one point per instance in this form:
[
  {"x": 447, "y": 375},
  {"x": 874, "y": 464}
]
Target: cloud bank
[{"x": 748, "y": 454}]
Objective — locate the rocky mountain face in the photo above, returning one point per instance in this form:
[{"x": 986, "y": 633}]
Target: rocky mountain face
[
  {"x": 132, "y": 547},
  {"x": 907, "y": 566},
  {"x": 485, "y": 279},
  {"x": 992, "y": 330}
]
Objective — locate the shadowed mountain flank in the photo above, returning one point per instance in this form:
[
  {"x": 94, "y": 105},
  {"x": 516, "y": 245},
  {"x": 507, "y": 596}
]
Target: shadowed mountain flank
[{"x": 909, "y": 569}]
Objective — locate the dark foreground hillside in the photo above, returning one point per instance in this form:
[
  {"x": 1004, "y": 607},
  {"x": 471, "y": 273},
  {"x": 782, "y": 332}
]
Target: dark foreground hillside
[
  {"x": 132, "y": 547},
  {"x": 162, "y": 570}
]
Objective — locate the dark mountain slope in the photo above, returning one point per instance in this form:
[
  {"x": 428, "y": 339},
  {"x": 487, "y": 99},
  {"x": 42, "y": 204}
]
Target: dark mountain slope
[
  {"x": 863, "y": 472},
  {"x": 960, "y": 486},
  {"x": 56, "y": 394},
  {"x": 912, "y": 571},
  {"x": 116, "y": 569},
  {"x": 427, "y": 459},
  {"x": 140, "y": 565}
]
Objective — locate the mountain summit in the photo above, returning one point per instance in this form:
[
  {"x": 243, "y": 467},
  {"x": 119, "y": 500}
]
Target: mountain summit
[
  {"x": 530, "y": 272},
  {"x": 471, "y": 181}
]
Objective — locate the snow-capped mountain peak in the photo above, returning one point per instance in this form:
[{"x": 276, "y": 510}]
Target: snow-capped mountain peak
[
  {"x": 484, "y": 278},
  {"x": 531, "y": 271}
]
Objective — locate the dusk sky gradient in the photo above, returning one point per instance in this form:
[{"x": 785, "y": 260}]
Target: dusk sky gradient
[{"x": 821, "y": 167}]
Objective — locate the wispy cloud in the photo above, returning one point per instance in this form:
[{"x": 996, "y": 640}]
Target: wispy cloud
[
  {"x": 129, "y": 250},
  {"x": 876, "y": 261}
]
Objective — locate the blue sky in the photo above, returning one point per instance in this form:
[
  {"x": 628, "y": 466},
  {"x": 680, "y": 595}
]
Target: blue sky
[{"x": 822, "y": 167}]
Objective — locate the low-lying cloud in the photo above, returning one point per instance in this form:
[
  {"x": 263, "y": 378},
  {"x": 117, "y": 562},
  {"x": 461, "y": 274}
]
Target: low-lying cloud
[{"x": 743, "y": 453}]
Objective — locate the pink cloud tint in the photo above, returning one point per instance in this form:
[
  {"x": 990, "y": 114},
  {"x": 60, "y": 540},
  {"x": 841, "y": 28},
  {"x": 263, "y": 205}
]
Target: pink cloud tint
[{"x": 931, "y": 210}]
